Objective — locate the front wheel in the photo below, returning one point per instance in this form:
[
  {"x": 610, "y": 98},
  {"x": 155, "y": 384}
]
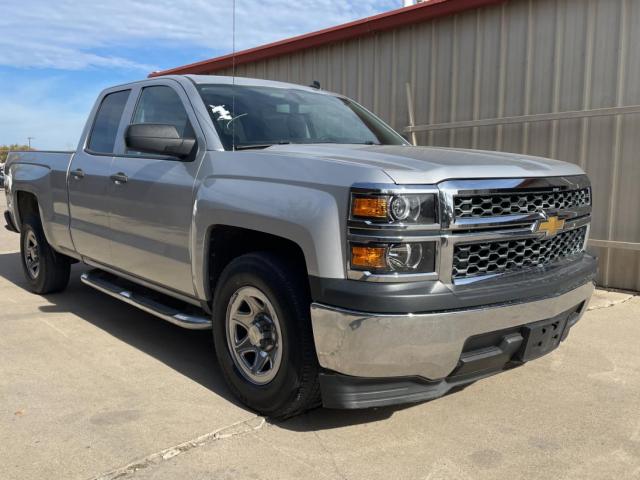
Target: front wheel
[
  {"x": 263, "y": 338},
  {"x": 45, "y": 270}
]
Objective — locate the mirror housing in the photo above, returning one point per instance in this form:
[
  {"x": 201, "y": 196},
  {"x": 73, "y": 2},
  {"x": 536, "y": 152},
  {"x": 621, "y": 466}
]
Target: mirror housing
[{"x": 158, "y": 139}]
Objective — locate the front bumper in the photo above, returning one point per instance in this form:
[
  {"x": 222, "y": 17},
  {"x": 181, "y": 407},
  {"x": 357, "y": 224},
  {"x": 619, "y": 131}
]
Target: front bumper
[{"x": 427, "y": 346}]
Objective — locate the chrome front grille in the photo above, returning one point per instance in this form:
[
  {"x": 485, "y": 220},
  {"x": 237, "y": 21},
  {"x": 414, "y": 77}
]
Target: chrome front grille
[
  {"x": 517, "y": 203},
  {"x": 494, "y": 257}
]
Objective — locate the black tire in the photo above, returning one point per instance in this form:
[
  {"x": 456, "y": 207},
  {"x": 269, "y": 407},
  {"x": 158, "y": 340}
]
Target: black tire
[
  {"x": 53, "y": 268},
  {"x": 295, "y": 387}
]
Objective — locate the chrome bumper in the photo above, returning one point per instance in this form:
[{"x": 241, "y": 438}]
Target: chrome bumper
[{"x": 427, "y": 345}]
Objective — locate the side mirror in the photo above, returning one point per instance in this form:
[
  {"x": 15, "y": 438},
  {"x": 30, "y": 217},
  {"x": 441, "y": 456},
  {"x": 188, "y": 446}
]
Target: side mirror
[{"x": 158, "y": 139}]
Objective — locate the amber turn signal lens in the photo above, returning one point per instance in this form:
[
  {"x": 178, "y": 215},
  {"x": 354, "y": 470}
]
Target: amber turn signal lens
[
  {"x": 369, "y": 207},
  {"x": 369, "y": 257}
]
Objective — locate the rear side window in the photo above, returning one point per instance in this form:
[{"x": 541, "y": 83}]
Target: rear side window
[{"x": 105, "y": 126}]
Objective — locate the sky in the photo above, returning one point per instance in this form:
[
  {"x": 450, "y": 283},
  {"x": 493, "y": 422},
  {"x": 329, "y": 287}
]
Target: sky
[{"x": 56, "y": 56}]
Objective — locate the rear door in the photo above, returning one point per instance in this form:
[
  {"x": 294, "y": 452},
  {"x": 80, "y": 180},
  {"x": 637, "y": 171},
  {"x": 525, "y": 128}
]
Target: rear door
[
  {"x": 88, "y": 179},
  {"x": 152, "y": 204}
]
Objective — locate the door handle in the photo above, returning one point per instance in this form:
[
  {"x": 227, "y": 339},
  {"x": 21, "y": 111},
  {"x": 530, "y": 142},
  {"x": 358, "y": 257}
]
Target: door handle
[
  {"x": 119, "y": 178},
  {"x": 77, "y": 174}
]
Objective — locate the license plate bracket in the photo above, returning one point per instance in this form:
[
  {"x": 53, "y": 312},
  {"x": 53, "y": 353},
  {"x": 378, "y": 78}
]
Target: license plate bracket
[{"x": 542, "y": 337}]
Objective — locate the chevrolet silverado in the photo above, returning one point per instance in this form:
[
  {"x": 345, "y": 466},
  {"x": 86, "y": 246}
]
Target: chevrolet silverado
[{"x": 334, "y": 262}]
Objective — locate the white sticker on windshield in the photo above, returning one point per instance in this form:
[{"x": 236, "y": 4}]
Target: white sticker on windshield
[{"x": 223, "y": 113}]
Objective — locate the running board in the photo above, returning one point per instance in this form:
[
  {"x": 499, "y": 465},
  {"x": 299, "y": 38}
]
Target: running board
[{"x": 144, "y": 299}]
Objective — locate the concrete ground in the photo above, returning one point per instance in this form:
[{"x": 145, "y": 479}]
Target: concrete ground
[{"x": 93, "y": 388}]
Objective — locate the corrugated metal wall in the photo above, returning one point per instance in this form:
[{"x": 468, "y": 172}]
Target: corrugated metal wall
[{"x": 521, "y": 57}]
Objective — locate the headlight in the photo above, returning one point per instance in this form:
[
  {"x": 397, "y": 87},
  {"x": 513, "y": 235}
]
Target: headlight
[
  {"x": 414, "y": 257},
  {"x": 418, "y": 209}
]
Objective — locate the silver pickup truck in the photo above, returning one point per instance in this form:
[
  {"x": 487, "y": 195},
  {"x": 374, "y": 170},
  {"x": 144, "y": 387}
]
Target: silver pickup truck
[{"x": 335, "y": 263}]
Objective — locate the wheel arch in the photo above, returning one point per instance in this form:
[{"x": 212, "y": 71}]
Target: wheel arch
[
  {"x": 26, "y": 204},
  {"x": 33, "y": 181},
  {"x": 226, "y": 243}
]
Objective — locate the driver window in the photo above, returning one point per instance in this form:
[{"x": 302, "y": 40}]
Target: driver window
[{"x": 162, "y": 105}]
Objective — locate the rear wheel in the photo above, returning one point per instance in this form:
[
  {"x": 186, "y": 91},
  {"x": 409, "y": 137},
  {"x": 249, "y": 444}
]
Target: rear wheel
[
  {"x": 263, "y": 338},
  {"x": 46, "y": 270}
]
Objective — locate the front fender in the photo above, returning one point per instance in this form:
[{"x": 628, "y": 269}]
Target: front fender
[{"x": 309, "y": 217}]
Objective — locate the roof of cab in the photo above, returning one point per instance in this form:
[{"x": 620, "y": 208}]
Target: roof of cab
[
  {"x": 220, "y": 80},
  {"x": 244, "y": 81}
]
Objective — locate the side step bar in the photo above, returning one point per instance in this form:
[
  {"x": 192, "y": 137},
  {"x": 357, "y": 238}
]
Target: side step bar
[{"x": 141, "y": 298}]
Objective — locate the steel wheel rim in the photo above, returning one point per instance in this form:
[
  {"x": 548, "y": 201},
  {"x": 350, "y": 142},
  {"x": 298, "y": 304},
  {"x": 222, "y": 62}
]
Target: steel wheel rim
[
  {"x": 32, "y": 254},
  {"x": 253, "y": 335}
]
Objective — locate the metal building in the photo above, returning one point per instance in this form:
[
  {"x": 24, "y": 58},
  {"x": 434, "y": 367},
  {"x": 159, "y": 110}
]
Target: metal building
[{"x": 556, "y": 78}]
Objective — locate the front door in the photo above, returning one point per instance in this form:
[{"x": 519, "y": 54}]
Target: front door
[
  {"x": 89, "y": 183},
  {"x": 152, "y": 202}
]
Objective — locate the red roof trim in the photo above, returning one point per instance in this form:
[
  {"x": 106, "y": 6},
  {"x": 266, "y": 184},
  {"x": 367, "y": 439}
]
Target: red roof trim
[{"x": 384, "y": 21}]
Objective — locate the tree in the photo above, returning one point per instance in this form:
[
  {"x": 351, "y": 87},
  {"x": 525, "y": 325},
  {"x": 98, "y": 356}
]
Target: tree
[{"x": 5, "y": 149}]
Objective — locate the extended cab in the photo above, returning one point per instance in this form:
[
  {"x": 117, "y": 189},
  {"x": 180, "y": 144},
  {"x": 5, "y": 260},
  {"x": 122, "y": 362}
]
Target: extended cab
[{"x": 334, "y": 262}]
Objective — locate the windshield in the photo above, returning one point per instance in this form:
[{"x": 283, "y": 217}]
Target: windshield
[{"x": 258, "y": 117}]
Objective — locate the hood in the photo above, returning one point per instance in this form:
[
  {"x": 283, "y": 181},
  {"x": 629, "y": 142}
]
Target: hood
[{"x": 428, "y": 165}]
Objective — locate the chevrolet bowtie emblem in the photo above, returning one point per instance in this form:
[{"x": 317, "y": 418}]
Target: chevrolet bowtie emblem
[{"x": 550, "y": 226}]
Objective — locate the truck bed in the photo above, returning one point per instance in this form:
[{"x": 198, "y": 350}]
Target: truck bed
[
  {"x": 44, "y": 174},
  {"x": 42, "y": 157}
]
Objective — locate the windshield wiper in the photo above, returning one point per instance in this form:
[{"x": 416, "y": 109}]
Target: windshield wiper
[
  {"x": 339, "y": 142},
  {"x": 257, "y": 146},
  {"x": 250, "y": 146}
]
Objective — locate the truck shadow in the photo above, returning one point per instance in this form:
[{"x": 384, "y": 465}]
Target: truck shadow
[
  {"x": 188, "y": 352},
  {"x": 327, "y": 419}
]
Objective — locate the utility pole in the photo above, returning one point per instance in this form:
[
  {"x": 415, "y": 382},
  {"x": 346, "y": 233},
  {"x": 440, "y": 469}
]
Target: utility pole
[{"x": 29, "y": 140}]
